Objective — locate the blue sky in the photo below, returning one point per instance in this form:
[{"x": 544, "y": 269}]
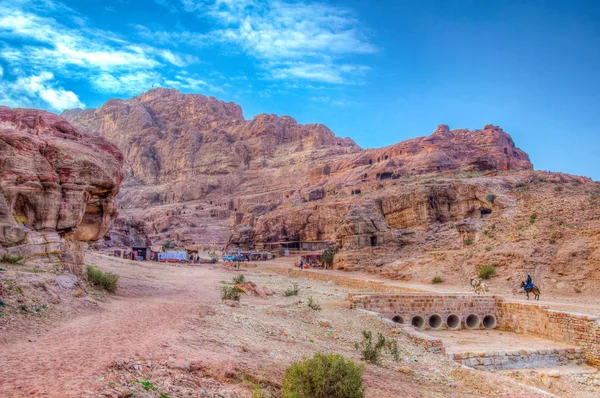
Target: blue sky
[{"x": 377, "y": 71}]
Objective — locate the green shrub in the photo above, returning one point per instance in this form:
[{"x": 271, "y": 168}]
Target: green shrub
[
  {"x": 238, "y": 280},
  {"x": 323, "y": 376},
  {"x": 490, "y": 197},
  {"x": 11, "y": 258},
  {"x": 371, "y": 352},
  {"x": 437, "y": 279},
  {"x": 313, "y": 305},
  {"x": 468, "y": 242},
  {"x": 328, "y": 256},
  {"x": 106, "y": 280},
  {"x": 292, "y": 292},
  {"x": 280, "y": 251},
  {"x": 167, "y": 245},
  {"x": 488, "y": 248},
  {"x": 559, "y": 189},
  {"x": 532, "y": 218},
  {"x": 487, "y": 271},
  {"x": 230, "y": 293}
]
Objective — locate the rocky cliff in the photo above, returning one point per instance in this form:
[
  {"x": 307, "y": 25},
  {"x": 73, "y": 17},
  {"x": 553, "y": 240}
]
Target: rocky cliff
[
  {"x": 57, "y": 186},
  {"x": 198, "y": 173},
  {"x": 202, "y": 154}
]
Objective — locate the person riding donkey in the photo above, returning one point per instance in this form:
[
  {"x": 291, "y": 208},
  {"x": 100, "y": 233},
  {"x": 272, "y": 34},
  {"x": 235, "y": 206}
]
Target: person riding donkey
[{"x": 529, "y": 287}]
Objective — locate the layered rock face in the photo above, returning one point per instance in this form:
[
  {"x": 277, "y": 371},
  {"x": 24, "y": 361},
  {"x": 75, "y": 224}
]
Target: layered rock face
[
  {"x": 198, "y": 172},
  {"x": 57, "y": 186}
]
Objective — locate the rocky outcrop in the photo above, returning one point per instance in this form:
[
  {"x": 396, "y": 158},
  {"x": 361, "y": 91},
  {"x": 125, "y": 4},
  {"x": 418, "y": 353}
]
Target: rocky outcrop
[
  {"x": 445, "y": 150},
  {"x": 57, "y": 185},
  {"x": 199, "y": 173}
]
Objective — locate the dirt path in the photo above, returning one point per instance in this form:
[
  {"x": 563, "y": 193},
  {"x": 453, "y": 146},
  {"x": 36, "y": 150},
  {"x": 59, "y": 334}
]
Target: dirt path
[
  {"x": 163, "y": 311},
  {"x": 582, "y": 304},
  {"x": 146, "y": 316}
]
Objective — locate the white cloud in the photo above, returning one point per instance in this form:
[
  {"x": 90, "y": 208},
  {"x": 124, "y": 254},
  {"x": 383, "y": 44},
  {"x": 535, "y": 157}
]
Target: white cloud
[
  {"x": 184, "y": 81},
  {"x": 54, "y": 40},
  {"x": 128, "y": 83},
  {"x": 38, "y": 90},
  {"x": 312, "y": 37}
]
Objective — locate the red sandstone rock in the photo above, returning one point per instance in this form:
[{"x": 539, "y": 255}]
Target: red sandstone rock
[
  {"x": 199, "y": 174},
  {"x": 56, "y": 182}
]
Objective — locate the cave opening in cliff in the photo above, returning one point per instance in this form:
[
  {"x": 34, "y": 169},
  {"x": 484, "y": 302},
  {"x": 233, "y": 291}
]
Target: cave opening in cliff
[
  {"x": 485, "y": 212},
  {"x": 385, "y": 176},
  {"x": 370, "y": 161},
  {"x": 373, "y": 241}
]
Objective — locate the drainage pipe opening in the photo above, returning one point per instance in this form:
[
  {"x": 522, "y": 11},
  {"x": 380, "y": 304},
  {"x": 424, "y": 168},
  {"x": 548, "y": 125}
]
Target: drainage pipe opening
[
  {"x": 489, "y": 321},
  {"x": 453, "y": 322},
  {"x": 398, "y": 319},
  {"x": 418, "y": 322},
  {"x": 472, "y": 321},
  {"x": 435, "y": 321}
]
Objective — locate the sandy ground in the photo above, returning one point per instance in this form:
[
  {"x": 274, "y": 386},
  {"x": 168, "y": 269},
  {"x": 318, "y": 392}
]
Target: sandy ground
[
  {"x": 585, "y": 303},
  {"x": 167, "y": 324},
  {"x": 492, "y": 340}
]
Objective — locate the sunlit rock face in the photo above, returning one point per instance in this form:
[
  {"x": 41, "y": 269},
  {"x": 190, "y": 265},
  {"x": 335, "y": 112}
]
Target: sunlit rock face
[
  {"x": 198, "y": 172},
  {"x": 57, "y": 186}
]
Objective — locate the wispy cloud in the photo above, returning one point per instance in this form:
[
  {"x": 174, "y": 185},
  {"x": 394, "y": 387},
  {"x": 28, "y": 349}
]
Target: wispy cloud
[
  {"x": 30, "y": 90},
  {"x": 295, "y": 39},
  {"x": 291, "y": 40},
  {"x": 41, "y": 48}
]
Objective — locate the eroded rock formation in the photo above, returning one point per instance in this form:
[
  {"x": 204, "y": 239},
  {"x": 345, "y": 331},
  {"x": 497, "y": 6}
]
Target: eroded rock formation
[
  {"x": 198, "y": 173},
  {"x": 57, "y": 186}
]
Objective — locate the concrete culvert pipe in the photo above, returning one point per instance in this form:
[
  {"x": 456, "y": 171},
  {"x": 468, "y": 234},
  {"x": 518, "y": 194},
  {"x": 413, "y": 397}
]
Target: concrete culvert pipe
[
  {"x": 453, "y": 322},
  {"x": 472, "y": 321},
  {"x": 398, "y": 319},
  {"x": 489, "y": 321},
  {"x": 435, "y": 321},
  {"x": 418, "y": 322}
]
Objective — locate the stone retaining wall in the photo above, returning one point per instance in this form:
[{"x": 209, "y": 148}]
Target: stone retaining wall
[
  {"x": 429, "y": 343},
  {"x": 580, "y": 329},
  {"x": 500, "y": 360},
  {"x": 407, "y": 306}
]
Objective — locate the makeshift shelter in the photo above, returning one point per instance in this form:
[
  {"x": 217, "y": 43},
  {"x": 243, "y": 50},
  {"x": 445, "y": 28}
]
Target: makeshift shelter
[{"x": 139, "y": 253}]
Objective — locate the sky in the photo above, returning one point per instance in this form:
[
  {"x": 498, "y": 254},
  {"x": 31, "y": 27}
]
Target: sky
[{"x": 377, "y": 71}]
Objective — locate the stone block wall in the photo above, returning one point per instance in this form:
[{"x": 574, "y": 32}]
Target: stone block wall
[
  {"x": 410, "y": 305},
  {"x": 427, "y": 342},
  {"x": 499, "y": 360},
  {"x": 579, "y": 329}
]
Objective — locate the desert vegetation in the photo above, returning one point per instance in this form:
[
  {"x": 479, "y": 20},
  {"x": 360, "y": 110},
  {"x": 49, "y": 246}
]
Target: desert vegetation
[{"x": 106, "y": 280}]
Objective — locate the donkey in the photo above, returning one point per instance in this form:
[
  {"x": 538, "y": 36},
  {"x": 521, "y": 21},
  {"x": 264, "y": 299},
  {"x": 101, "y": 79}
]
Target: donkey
[
  {"x": 535, "y": 290},
  {"x": 479, "y": 286}
]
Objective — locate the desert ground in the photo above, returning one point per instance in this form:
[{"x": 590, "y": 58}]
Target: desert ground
[{"x": 168, "y": 326}]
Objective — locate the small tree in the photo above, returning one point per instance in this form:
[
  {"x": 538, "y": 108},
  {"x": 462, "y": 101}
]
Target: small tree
[
  {"x": 490, "y": 197},
  {"x": 328, "y": 256},
  {"x": 487, "y": 271},
  {"x": 167, "y": 245},
  {"x": 323, "y": 376}
]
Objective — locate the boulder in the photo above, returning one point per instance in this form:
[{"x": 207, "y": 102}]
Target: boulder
[{"x": 57, "y": 185}]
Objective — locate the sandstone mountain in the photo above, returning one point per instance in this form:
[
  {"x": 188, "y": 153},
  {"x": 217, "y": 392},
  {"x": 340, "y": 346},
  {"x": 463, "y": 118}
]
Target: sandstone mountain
[
  {"x": 57, "y": 186},
  {"x": 198, "y": 173}
]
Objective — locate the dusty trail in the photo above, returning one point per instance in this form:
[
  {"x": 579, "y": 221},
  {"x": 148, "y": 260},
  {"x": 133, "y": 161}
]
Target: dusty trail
[
  {"x": 144, "y": 317},
  {"x": 163, "y": 311},
  {"x": 582, "y": 304}
]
